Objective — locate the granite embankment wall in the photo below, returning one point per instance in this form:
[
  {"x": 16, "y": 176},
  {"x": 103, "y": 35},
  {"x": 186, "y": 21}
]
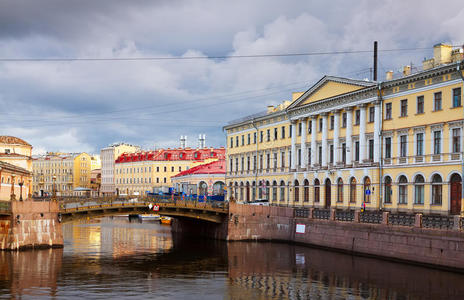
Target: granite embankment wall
[
  {"x": 443, "y": 248},
  {"x": 31, "y": 225}
]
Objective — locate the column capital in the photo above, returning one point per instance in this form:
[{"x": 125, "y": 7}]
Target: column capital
[
  {"x": 376, "y": 102},
  {"x": 336, "y": 111},
  {"x": 349, "y": 108},
  {"x": 324, "y": 114},
  {"x": 362, "y": 105},
  {"x": 294, "y": 121},
  {"x": 314, "y": 117},
  {"x": 304, "y": 119}
]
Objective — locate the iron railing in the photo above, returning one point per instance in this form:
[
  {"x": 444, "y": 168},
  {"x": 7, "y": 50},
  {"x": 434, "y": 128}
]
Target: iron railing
[
  {"x": 401, "y": 219},
  {"x": 322, "y": 214},
  {"x": 344, "y": 215},
  {"x": 371, "y": 217},
  {"x": 301, "y": 212},
  {"x": 436, "y": 221}
]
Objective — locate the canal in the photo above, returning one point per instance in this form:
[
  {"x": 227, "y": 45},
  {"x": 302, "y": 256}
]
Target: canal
[{"x": 114, "y": 258}]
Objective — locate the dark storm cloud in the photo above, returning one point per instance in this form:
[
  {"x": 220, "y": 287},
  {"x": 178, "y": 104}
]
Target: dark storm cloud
[{"x": 83, "y": 106}]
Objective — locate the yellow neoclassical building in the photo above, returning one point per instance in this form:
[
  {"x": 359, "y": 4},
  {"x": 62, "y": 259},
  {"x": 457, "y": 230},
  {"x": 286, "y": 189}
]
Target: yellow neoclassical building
[
  {"x": 62, "y": 171},
  {"x": 394, "y": 145}
]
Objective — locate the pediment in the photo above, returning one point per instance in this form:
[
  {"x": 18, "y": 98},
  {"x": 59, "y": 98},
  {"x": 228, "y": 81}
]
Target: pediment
[{"x": 329, "y": 87}]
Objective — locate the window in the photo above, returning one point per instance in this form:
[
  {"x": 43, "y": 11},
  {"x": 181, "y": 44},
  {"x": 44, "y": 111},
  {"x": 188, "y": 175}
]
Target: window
[
  {"x": 403, "y": 146},
  {"x": 268, "y": 161},
  {"x": 164, "y": 179},
  {"x": 172, "y": 169},
  {"x": 316, "y": 190},
  {"x": 457, "y": 97},
  {"x": 299, "y": 157},
  {"x": 290, "y": 131},
  {"x": 299, "y": 129},
  {"x": 357, "y": 118},
  {"x": 236, "y": 141},
  {"x": 243, "y": 163},
  {"x": 236, "y": 164},
  {"x": 388, "y": 111},
  {"x": 254, "y": 138},
  {"x": 388, "y": 190},
  {"x": 296, "y": 191},
  {"x": 437, "y": 101},
  {"x": 268, "y": 135},
  {"x": 282, "y": 160},
  {"x": 309, "y": 156},
  {"x": 157, "y": 169},
  {"x": 310, "y": 126},
  {"x": 420, "y": 104},
  {"x": 404, "y": 108},
  {"x": 371, "y": 149},
  {"x": 320, "y": 156},
  {"x": 403, "y": 190},
  {"x": 353, "y": 190},
  {"x": 165, "y": 169},
  {"x": 180, "y": 169},
  {"x": 340, "y": 190},
  {"x": 306, "y": 190},
  {"x": 436, "y": 189},
  {"x": 344, "y": 120},
  {"x": 356, "y": 151},
  {"x": 261, "y": 135},
  {"x": 371, "y": 114},
  {"x": 275, "y": 134},
  {"x": 275, "y": 160},
  {"x": 419, "y": 190},
  {"x": 388, "y": 144},
  {"x": 231, "y": 142},
  {"x": 436, "y": 142},
  {"x": 367, "y": 187},
  {"x": 248, "y": 163},
  {"x": 248, "y": 139},
  {"x": 419, "y": 144},
  {"x": 254, "y": 163},
  {"x": 283, "y": 132},
  {"x": 321, "y": 123},
  {"x": 261, "y": 162},
  {"x": 456, "y": 140},
  {"x": 282, "y": 191},
  {"x": 332, "y": 122}
]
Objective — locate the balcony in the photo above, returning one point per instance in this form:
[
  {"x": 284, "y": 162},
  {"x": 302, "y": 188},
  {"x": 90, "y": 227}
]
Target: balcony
[
  {"x": 455, "y": 156},
  {"x": 402, "y": 160},
  {"x": 419, "y": 159},
  {"x": 436, "y": 157}
]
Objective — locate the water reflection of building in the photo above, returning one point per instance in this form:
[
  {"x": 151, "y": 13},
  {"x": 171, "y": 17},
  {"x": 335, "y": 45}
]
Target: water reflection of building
[
  {"x": 26, "y": 272},
  {"x": 115, "y": 236},
  {"x": 279, "y": 271}
]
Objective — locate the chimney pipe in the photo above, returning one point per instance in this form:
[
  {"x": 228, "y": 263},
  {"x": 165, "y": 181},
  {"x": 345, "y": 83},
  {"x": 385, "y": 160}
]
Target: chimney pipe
[{"x": 375, "y": 61}]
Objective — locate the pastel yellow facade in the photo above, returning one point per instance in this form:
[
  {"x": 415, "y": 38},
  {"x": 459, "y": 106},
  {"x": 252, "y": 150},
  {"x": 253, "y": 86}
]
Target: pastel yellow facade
[
  {"x": 62, "y": 171},
  {"x": 349, "y": 144},
  {"x": 145, "y": 176}
]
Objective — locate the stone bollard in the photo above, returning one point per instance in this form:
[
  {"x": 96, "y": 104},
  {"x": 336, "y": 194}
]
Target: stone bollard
[
  {"x": 385, "y": 217},
  {"x": 332, "y": 214},
  {"x": 418, "y": 221},
  {"x": 356, "y": 216}
]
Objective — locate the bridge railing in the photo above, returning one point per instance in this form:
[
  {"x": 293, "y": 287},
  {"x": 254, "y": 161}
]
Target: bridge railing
[{"x": 79, "y": 203}]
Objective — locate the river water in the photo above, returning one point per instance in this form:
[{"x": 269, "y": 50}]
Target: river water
[{"x": 114, "y": 258}]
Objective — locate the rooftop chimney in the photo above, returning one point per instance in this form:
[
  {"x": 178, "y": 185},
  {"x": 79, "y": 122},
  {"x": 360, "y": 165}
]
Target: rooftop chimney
[
  {"x": 183, "y": 141},
  {"x": 406, "y": 70},
  {"x": 270, "y": 109},
  {"x": 201, "y": 141},
  {"x": 442, "y": 54},
  {"x": 389, "y": 75}
]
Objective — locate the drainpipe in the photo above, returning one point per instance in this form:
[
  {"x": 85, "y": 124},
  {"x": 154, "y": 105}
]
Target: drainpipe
[
  {"x": 459, "y": 69},
  {"x": 380, "y": 99},
  {"x": 256, "y": 160}
]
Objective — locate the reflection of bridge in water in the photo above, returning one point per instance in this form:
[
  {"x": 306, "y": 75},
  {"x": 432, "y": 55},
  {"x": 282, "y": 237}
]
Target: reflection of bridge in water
[{"x": 210, "y": 211}]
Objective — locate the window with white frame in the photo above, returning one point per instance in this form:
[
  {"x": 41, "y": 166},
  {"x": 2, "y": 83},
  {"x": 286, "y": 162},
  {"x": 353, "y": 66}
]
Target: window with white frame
[
  {"x": 420, "y": 144},
  {"x": 403, "y": 145},
  {"x": 456, "y": 140},
  {"x": 437, "y": 142}
]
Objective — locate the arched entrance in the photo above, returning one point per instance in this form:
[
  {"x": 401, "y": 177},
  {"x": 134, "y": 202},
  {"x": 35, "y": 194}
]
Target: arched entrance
[
  {"x": 455, "y": 194},
  {"x": 328, "y": 196},
  {"x": 297, "y": 192},
  {"x": 247, "y": 192}
]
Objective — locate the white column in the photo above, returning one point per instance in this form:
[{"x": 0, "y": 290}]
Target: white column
[
  {"x": 324, "y": 140},
  {"x": 377, "y": 119},
  {"x": 313, "y": 140},
  {"x": 349, "y": 132},
  {"x": 293, "y": 165},
  {"x": 304, "y": 154},
  {"x": 336, "y": 136},
  {"x": 362, "y": 134}
]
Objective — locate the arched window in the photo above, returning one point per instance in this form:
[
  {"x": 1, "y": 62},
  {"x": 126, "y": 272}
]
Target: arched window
[
  {"x": 282, "y": 191},
  {"x": 267, "y": 195},
  {"x": 241, "y": 191},
  {"x": 316, "y": 190},
  {"x": 253, "y": 191},
  {"x": 437, "y": 184},
  {"x": 419, "y": 189},
  {"x": 235, "y": 190},
  {"x": 403, "y": 190},
  {"x": 260, "y": 190},
  {"x": 306, "y": 190},
  {"x": 388, "y": 189},
  {"x": 297, "y": 192},
  {"x": 274, "y": 191},
  {"x": 340, "y": 190},
  {"x": 353, "y": 190},
  {"x": 367, "y": 189}
]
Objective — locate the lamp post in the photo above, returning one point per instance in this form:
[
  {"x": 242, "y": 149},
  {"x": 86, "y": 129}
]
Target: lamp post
[{"x": 21, "y": 191}]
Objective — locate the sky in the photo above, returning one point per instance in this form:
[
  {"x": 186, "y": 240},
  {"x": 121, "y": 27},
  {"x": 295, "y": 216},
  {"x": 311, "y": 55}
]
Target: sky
[{"x": 76, "y": 106}]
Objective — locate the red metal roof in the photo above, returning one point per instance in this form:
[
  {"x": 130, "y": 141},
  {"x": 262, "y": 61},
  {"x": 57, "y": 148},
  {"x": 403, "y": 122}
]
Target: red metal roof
[
  {"x": 215, "y": 167},
  {"x": 173, "y": 155}
]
